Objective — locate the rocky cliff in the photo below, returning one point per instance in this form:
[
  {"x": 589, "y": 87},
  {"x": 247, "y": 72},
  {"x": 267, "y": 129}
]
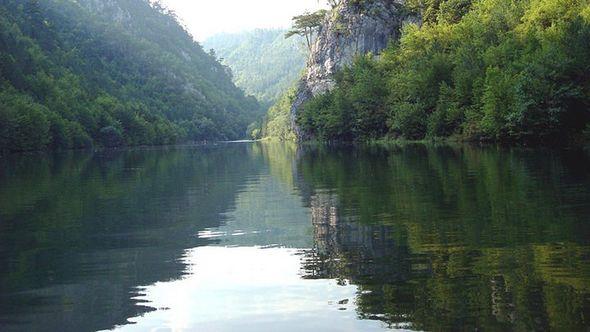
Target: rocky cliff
[{"x": 351, "y": 28}]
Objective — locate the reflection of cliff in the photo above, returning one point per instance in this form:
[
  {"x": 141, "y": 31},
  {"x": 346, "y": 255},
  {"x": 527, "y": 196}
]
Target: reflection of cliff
[
  {"x": 502, "y": 302},
  {"x": 324, "y": 218},
  {"x": 345, "y": 248},
  {"x": 440, "y": 238},
  {"x": 443, "y": 287}
]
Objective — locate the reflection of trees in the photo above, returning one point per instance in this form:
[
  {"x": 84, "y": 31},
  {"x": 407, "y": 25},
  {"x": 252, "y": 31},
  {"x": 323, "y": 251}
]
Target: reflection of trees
[
  {"x": 280, "y": 157},
  {"x": 79, "y": 231},
  {"x": 454, "y": 238}
]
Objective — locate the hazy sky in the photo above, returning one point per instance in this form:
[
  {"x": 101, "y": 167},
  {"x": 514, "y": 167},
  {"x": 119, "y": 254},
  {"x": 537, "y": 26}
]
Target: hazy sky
[{"x": 204, "y": 18}]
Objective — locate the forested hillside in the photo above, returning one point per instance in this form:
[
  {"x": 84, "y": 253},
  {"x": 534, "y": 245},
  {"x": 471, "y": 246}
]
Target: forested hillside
[
  {"x": 501, "y": 70},
  {"x": 263, "y": 61},
  {"x": 86, "y": 73}
]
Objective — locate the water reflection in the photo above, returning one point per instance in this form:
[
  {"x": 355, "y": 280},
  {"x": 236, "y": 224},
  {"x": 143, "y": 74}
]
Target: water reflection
[
  {"x": 79, "y": 231},
  {"x": 269, "y": 236},
  {"x": 248, "y": 289},
  {"x": 454, "y": 238}
]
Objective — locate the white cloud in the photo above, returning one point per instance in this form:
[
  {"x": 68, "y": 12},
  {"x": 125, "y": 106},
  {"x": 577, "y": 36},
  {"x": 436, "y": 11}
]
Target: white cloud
[{"x": 204, "y": 18}]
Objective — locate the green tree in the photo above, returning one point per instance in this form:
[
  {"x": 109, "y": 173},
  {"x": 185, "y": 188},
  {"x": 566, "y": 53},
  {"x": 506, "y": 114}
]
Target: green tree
[{"x": 307, "y": 25}]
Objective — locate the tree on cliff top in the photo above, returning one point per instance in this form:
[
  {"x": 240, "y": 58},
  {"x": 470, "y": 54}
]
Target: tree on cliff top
[
  {"x": 306, "y": 25},
  {"x": 334, "y": 3}
]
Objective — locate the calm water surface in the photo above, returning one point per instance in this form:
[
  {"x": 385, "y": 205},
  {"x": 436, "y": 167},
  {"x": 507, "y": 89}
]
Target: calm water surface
[{"x": 271, "y": 237}]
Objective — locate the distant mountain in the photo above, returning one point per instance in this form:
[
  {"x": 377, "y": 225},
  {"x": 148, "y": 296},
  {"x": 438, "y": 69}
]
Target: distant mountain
[
  {"x": 264, "y": 63},
  {"x": 109, "y": 73}
]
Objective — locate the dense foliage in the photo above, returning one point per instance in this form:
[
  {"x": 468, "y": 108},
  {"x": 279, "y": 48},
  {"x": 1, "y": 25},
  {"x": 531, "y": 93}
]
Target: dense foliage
[
  {"x": 263, "y": 62},
  {"x": 498, "y": 70},
  {"x": 120, "y": 72},
  {"x": 277, "y": 123}
]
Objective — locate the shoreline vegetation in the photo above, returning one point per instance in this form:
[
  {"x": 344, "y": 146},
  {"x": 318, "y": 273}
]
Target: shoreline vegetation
[
  {"x": 448, "y": 141},
  {"x": 489, "y": 71},
  {"x": 85, "y": 74},
  {"x": 398, "y": 142},
  {"x": 494, "y": 71}
]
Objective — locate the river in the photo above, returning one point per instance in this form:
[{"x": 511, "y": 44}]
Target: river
[{"x": 258, "y": 236}]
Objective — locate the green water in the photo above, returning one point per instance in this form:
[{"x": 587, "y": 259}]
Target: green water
[{"x": 271, "y": 237}]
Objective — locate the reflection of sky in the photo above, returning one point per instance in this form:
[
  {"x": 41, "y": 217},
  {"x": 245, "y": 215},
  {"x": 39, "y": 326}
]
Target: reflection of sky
[
  {"x": 266, "y": 213},
  {"x": 248, "y": 289},
  {"x": 251, "y": 281}
]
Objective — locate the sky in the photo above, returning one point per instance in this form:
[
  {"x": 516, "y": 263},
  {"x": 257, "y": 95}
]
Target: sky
[{"x": 204, "y": 18}]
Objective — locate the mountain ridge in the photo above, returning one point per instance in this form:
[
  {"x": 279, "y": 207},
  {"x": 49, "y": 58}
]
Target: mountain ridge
[
  {"x": 263, "y": 61},
  {"x": 110, "y": 73}
]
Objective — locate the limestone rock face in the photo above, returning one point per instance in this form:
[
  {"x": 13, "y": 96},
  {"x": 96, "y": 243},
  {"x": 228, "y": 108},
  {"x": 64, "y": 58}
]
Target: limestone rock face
[{"x": 352, "y": 28}]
